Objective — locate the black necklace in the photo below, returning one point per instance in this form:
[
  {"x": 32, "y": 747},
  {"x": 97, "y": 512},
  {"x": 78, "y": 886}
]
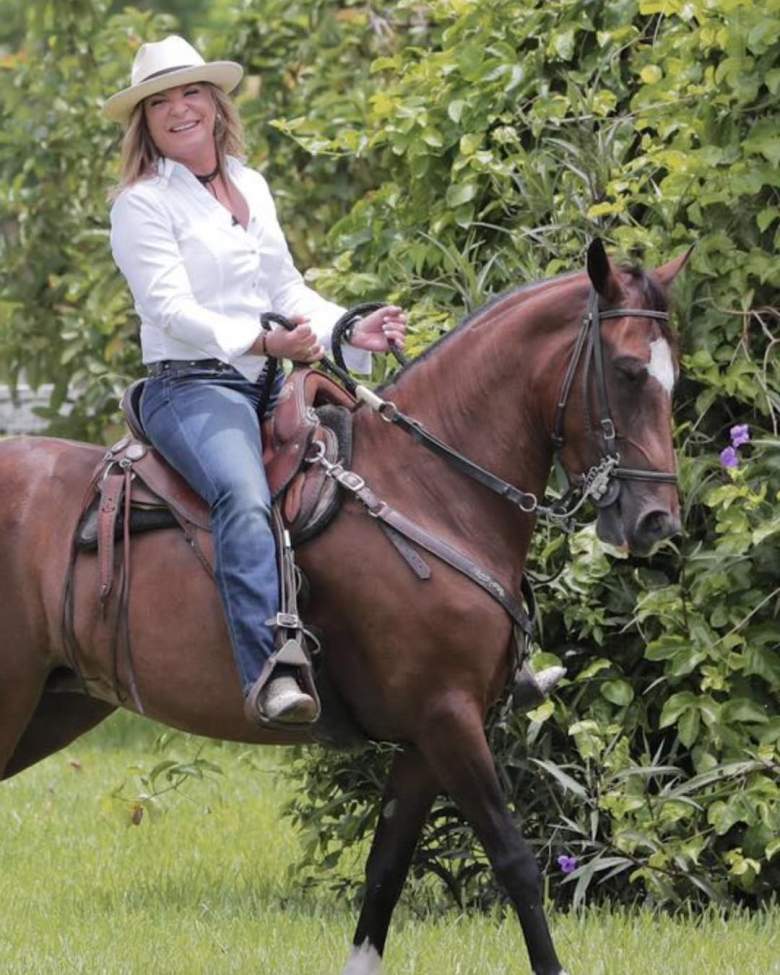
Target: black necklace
[
  {"x": 206, "y": 181},
  {"x": 209, "y": 177}
]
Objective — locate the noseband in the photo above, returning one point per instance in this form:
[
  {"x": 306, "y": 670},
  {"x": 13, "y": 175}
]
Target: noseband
[{"x": 601, "y": 481}]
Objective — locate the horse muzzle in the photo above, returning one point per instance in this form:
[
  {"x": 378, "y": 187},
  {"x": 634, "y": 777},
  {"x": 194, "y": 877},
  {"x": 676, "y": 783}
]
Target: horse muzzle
[{"x": 639, "y": 534}]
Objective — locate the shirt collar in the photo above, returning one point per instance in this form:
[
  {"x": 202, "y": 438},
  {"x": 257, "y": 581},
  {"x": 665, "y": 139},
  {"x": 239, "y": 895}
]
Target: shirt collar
[{"x": 166, "y": 168}]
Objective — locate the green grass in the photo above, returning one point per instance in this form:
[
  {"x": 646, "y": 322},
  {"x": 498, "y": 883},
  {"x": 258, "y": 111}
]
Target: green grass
[{"x": 202, "y": 887}]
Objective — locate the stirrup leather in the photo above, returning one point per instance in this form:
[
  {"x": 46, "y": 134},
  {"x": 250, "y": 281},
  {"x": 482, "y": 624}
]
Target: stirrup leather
[{"x": 290, "y": 636}]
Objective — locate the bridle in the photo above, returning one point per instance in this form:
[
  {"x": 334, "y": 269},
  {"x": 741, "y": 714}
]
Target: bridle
[{"x": 602, "y": 480}]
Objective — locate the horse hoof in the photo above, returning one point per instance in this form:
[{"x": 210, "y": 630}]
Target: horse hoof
[
  {"x": 548, "y": 678},
  {"x": 531, "y": 689}
]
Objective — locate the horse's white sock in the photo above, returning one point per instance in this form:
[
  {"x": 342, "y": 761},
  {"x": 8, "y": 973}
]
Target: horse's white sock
[{"x": 364, "y": 960}]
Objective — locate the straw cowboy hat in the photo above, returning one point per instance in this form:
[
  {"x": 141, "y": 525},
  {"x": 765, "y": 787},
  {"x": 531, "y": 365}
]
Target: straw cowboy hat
[{"x": 166, "y": 64}]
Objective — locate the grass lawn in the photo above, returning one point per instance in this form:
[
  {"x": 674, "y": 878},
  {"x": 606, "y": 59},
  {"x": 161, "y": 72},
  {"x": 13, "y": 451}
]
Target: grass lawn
[{"x": 203, "y": 888}]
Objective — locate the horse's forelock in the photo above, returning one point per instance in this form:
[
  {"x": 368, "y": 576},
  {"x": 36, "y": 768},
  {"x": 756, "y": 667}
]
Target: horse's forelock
[{"x": 653, "y": 297}]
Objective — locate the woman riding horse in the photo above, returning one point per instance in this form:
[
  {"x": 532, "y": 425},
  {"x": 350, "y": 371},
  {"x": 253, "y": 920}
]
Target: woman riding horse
[{"x": 194, "y": 232}]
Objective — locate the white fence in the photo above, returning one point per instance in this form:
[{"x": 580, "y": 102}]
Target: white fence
[{"x": 19, "y": 417}]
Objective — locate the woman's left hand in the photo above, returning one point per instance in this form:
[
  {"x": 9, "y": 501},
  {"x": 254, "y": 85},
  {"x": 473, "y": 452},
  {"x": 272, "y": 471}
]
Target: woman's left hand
[{"x": 378, "y": 330}]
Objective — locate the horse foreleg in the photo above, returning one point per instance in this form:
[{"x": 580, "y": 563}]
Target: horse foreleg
[
  {"x": 57, "y": 720},
  {"x": 457, "y": 751},
  {"x": 407, "y": 800}
]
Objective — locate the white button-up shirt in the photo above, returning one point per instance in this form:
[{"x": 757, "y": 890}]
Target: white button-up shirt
[{"x": 200, "y": 283}]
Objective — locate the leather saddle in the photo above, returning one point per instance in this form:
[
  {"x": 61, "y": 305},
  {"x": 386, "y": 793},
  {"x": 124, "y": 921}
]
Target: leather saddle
[{"x": 311, "y": 409}]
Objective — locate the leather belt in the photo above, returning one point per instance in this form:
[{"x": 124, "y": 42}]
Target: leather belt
[{"x": 164, "y": 366}]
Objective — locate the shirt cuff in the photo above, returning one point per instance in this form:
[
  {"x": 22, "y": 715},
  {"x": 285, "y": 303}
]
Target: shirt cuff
[{"x": 239, "y": 339}]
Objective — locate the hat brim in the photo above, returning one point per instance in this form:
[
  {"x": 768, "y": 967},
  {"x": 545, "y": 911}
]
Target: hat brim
[{"x": 224, "y": 74}]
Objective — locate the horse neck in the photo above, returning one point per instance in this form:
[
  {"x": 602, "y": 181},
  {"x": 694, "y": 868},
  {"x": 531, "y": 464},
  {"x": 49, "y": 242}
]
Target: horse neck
[{"x": 488, "y": 390}]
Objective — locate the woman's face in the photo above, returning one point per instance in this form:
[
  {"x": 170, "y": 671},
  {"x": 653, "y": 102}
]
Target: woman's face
[{"x": 181, "y": 123}]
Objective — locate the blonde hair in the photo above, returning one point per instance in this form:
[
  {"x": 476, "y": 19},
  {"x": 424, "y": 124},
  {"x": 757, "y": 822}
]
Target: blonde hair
[{"x": 139, "y": 154}]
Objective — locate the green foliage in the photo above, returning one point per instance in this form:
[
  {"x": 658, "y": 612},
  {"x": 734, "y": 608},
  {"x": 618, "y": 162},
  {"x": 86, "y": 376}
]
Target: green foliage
[{"x": 436, "y": 153}]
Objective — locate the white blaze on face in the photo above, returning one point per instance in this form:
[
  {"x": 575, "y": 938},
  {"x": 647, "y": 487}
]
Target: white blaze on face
[
  {"x": 364, "y": 960},
  {"x": 661, "y": 366}
]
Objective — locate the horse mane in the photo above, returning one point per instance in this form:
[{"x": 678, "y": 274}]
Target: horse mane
[
  {"x": 525, "y": 290},
  {"x": 652, "y": 293}
]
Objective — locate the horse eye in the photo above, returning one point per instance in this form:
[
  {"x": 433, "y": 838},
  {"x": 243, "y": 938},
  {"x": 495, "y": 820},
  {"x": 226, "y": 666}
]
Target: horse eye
[{"x": 634, "y": 370}]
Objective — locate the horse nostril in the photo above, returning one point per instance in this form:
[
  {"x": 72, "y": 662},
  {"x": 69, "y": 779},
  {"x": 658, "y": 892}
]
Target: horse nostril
[{"x": 657, "y": 525}]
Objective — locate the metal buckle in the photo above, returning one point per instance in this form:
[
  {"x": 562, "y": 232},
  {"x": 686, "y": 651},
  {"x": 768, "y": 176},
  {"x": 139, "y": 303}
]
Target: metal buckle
[
  {"x": 349, "y": 479},
  {"x": 286, "y": 621}
]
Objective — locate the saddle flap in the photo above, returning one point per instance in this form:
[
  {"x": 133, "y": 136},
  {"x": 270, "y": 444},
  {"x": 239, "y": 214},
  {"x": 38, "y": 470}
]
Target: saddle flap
[
  {"x": 154, "y": 478},
  {"x": 292, "y": 427}
]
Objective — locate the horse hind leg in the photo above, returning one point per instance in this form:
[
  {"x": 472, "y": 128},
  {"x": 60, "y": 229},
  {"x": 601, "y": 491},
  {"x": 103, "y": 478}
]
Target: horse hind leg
[
  {"x": 456, "y": 749},
  {"x": 407, "y": 800},
  {"x": 58, "y": 719}
]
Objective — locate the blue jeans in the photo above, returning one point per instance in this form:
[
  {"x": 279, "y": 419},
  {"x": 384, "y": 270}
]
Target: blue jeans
[{"x": 204, "y": 423}]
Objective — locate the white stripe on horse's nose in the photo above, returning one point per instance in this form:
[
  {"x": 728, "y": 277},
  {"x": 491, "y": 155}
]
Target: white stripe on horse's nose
[{"x": 661, "y": 366}]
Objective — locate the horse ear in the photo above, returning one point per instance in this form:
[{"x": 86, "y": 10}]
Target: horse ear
[
  {"x": 601, "y": 271},
  {"x": 666, "y": 273}
]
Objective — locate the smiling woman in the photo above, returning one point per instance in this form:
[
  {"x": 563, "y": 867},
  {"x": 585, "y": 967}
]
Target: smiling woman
[{"x": 194, "y": 231}]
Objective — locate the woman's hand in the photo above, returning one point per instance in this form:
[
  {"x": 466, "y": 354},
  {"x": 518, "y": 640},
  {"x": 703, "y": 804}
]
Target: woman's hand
[
  {"x": 300, "y": 344},
  {"x": 378, "y": 330}
]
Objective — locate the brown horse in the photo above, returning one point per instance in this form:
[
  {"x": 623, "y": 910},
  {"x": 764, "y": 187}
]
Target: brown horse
[{"x": 419, "y": 662}]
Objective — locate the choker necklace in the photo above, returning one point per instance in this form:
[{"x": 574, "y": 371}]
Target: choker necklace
[
  {"x": 209, "y": 177},
  {"x": 206, "y": 181}
]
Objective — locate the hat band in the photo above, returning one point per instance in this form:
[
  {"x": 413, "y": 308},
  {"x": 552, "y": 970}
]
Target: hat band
[{"x": 156, "y": 74}]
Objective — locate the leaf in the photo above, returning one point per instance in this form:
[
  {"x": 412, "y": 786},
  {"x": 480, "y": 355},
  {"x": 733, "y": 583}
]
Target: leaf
[
  {"x": 592, "y": 669},
  {"x": 455, "y": 109},
  {"x": 460, "y": 193},
  {"x": 469, "y": 143},
  {"x": 675, "y": 706},
  {"x": 688, "y": 727},
  {"x": 565, "y": 780},
  {"x": 618, "y": 692},
  {"x": 743, "y": 709}
]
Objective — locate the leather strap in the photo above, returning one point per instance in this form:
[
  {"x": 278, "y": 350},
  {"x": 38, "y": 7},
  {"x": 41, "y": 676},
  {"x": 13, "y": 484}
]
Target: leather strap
[
  {"x": 416, "y": 563},
  {"x": 456, "y": 559},
  {"x": 384, "y": 513},
  {"x": 111, "y": 489}
]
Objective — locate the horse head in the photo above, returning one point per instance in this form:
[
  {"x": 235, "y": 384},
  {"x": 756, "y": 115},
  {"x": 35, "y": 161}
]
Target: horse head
[{"x": 614, "y": 417}]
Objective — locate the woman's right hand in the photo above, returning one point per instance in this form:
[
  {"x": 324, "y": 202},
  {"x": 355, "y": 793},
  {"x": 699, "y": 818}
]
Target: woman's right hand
[{"x": 300, "y": 344}]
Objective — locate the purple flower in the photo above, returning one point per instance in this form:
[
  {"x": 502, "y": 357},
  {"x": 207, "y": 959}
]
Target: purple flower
[
  {"x": 740, "y": 434},
  {"x": 729, "y": 457},
  {"x": 568, "y": 864}
]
